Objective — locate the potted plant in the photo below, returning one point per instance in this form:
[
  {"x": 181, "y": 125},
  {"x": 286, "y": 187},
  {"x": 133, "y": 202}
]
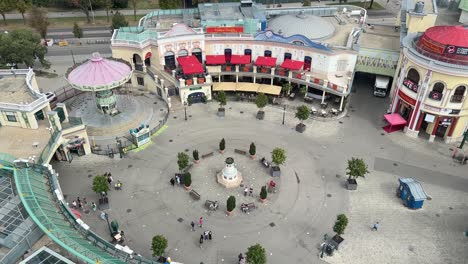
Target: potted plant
[
  {"x": 256, "y": 255},
  {"x": 278, "y": 157},
  {"x": 286, "y": 88},
  {"x": 339, "y": 228},
  {"x": 182, "y": 161},
  {"x": 187, "y": 181},
  {"x": 222, "y": 100},
  {"x": 230, "y": 204},
  {"x": 158, "y": 245},
  {"x": 356, "y": 168},
  {"x": 263, "y": 194},
  {"x": 222, "y": 146},
  {"x": 101, "y": 187},
  {"x": 252, "y": 150},
  {"x": 302, "y": 114},
  {"x": 261, "y": 101},
  {"x": 196, "y": 156}
]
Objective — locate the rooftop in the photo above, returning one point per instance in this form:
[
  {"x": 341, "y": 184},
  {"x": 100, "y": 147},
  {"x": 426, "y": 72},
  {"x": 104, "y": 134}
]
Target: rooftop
[
  {"x": 230, "y": 11},
  {"x": 380, "y": 37},
  {"x": 429, "y": 6},
  {"x": 20, "y": 142},
  {"x": 14, "y": 90}
]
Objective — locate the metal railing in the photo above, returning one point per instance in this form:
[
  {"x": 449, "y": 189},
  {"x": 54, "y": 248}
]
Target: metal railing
[
  {"x": 49, "y": 148},
  {"x": 457, "y": 98}
]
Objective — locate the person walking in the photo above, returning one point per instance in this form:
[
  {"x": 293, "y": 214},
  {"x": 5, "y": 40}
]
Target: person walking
[
  {"x": 78, "y": 200},
  {"x": 205, "y": 235},
  {"x": 172, "y": 181},
  {"x": 209, "y": 235},
  {"x": 201, "y": 240},
  {"x": 109, "y": 179},
  {"x": 375, "y": 227},
  {"x": 80, "y": 205},
  {"x": 246, "y": 191},
  {"x": 93, "y": 205},
  {"x": 200, "y": 222},
  {"x": 240, "y": 256},
  {"x": 251, "y": 191},
  {"x": 74, "y": 204},
  {"x": 192, "y": 224}
]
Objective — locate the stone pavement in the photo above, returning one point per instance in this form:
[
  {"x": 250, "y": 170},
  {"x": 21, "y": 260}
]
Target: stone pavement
[{"x": 292, "y": 223}]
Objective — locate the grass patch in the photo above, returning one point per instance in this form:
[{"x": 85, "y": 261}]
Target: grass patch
[{"x": 375, "y": 5}]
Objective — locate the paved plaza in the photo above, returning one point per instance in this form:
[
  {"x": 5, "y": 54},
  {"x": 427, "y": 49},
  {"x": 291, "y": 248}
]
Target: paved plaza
[{"x": 311, "y": 192}]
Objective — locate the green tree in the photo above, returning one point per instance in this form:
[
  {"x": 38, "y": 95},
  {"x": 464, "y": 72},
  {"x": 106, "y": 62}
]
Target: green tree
[
  {"x": 5, "y": 7},
  {"x": 100, "y": 184},
  {"x": 286, "y": 88},
  {"x": 303, "y": 90},
  {"x": 158, "y": 245},
  {"x": 38, "y": 20},
  {"x": 306, "y": 3},
  {"x": 187, "y": 179},
  {"x": 231, "y": 203},
  {"x": 85, "y": 6},
  {"x": 77, "y": 31},
  {"x": 221, "y": 98},
  {"x": 169, "y": 4},
  {"x": 263, "y": 193},
  {"x": 22, "y": 46},
  {"x": 222, "y": 144},
  {"x": 356, "y": 168},
  {"x": 22, "y": 6},
  {"x": 340, "y": 224},
  {"x": 107, "y": 4},
  {"x": 278, "y": 156},
  {"x": 182, "y": 161},
  {"x": 261, "y": 100},
  {"x": 118, "y": 21},
  {"x": 302, "y": 113},
  {"x": 252, "y": 149},
  {"x": 256, "y": 255}
]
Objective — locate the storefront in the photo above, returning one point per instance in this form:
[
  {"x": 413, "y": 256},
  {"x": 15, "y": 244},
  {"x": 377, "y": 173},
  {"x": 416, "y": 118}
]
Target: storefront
[{"x": 405, "y": 105}]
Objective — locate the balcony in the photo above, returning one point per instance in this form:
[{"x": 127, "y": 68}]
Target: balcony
[
  {"x": 410, "y": 85},
  {"x": 457, "y": 98},
  {"x": 436, "y": 96}
]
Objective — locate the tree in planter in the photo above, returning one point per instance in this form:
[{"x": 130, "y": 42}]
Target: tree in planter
[
  {"x": 302, "y": 113},
  {"x": 252, "y": 150},
  {"x": 187, "y": 180},
  {"x": 77, "y": 31},
  {"x": 196, "y": 156},
  {"x": 182, "y": 161},
  {"x": 231, "y": 204},
  {"x": 222, "y": 145},
  {"x": 263, "y": 193},
  {"x": 261, "y": 101},
  {"x": 100, "y": 184},
  {"x": 256, "y": 255},
  {"x": 158, "y": 245},
  {"x": 222, "y": 100},
  {"x": 303, "y": 90},
  {"x": 340, "y": 224},
  {"x": 286, "y": 88},
  {"x": 278, "y": 157},
  {"x": 356, "y": 168}
]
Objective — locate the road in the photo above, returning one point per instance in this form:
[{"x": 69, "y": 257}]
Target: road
[
  {"x": 77, "y": 13},
  {"x": 78, "y": 50}
]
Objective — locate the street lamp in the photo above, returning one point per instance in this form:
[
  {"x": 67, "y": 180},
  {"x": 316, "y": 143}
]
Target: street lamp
[
  {"x": 185, "y": 110},
  {"x": 284, "y": 112}
]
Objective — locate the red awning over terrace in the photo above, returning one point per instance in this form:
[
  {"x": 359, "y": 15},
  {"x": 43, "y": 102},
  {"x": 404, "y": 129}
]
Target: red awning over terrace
[
  {"x": 265, "y": 61},
  {"x": 190, "y": 65},
  {"x": 240, "y": 59},
  {"x": 292, "y": 64},
  {"x": 215, "y": 59},
  {"x": 395, "y": 119}
]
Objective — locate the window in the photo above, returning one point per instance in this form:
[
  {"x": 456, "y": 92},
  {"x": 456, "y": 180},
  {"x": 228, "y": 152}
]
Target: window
[
  {"x": 437, "y": 91},
  {"x": 267, "y": 53},
  {"x": 11, "y": 116},
  {"x": 458, "y": 95},
  {"x": 341, "y": 66},
  {"x": 140, "y": 81},
  {"x": 412, "y": 79}
]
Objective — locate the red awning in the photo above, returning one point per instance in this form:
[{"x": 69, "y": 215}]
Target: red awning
[
  {"x": 240, "y": 59},
  {"x": 190, "y": 65},
  {"x": 215, "y": 59},
  {"x": 76, "y": 213},
  {"x": 265, "y": 61},
  {"x": 395, "y": 119},
  {"x": 148, "y": 55},
  {"x": 292, "y": 64}
]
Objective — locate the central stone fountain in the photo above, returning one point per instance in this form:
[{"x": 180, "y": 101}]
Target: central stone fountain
[{"x": 229, "y": 177}]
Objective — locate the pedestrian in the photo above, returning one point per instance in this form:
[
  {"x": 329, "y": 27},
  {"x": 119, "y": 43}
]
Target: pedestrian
[
  {"x": 178, "y": 179},
  {"x": 200, "y": 222},
  {"x": 78, "y": 200},
  {"x": 192, "y": 224},
  {"x": 80, "y": 205},
  {"x": 74, "y": 204},
  {"x": 241, "y": 257},
  {"x": 109, "y": 179},
  {"x": 172, "y": 181},
  {"x": 205, "y": 235},
  {"x": 103, "y": 215},
  {"x": 209, "y": 235},
  {"x": 251, "y": 191},
  {"x": 84, "y": 201},
  {"x": 246, "y": 191},
  {"x": 376, "y": 226},
  {"x": 93, "y": 205},
  {"x": 201, "y": 240},
  {"x": 118, "y": 185}
]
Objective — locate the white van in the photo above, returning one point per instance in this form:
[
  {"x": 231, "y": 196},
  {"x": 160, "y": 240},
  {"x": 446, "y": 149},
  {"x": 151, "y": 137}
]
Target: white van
[{"x": 381, "y": 85}]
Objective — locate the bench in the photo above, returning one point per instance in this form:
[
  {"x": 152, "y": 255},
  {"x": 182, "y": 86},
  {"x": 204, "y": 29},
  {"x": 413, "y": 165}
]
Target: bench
[
  {"x": 207, "y": 155},
  {"x": 194, "y": 194},
  {"x": 238, "y": 151}
]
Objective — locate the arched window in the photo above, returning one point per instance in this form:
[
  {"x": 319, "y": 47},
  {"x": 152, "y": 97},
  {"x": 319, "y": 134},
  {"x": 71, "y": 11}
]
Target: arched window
[
  {"x": 182, "y": 53},
  {"x": 458, "y": 95},
  {"x": 437, "y": 91},
  {"x": 412, "y": 79}
]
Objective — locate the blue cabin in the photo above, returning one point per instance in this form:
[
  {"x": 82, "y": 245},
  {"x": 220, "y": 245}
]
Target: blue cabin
[{"x": 411, "y": 192}]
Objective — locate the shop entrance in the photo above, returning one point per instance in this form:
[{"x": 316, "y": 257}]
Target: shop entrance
[{"x": 196, "y": 97}]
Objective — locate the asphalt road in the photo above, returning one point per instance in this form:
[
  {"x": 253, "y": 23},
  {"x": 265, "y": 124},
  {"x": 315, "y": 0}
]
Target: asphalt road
[{"x": 78, "y": 50}]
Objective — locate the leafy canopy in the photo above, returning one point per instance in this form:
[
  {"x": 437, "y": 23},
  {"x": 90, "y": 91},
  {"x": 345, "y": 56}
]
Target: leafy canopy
[
  {"x": 340, "y": 224},
  {"x": 6, "y": 6},
  {"x": 302, "y": 113},
  {"x": 278, "y": 156},
  {"x": 261, "y": 100},
  {"x": 356, "y": 168},
  {"x": 77, "y": 31},
  {"x": 221, "y": 98},
  {"x": 182, "y": 160},
  {"x": 100, "y": 184},
  {"x": 256, "y": 255},
  {"x": 158, "y": 245},
  {"x": 22, "y": 46},
  {"x": 118, "y": 21},
  {"x": 38, "y": 20}
]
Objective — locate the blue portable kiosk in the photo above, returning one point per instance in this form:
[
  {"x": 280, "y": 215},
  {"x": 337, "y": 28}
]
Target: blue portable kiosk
[{"x": 411, "y": 192}]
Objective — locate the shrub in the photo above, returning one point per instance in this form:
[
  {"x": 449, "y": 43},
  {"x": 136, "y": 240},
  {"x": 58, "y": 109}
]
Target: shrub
[
  {"x": 263, "y": 193},
  {"x": 120, "y": 3},
  {"x": 231, "y": 203},
  {"x": 195, "y": 155},
  {"x": 302, "y": 113},
  {"x": 188, "y": 179},
  {"x": 278, "y": 156},
  {"x": 356, "y": 168},
  {"x": 222, "y": 145},
  {"x": 256, "y": 255},
  {"x": 100, "y": 184},
  {"x": 158, "y": 245},
  {"x": 340, "y": 224},
  {"x": 182, "y": 160},
  {"x": 252, "y": 149}
]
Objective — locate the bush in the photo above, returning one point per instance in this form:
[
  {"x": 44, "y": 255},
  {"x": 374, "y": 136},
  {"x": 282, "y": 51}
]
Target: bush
[
  {"x": 302, "y": 113},
  {"x": 231, "y": 203},
  {"x": 356, "y": 168},
  {"x": 120, "y": 3},
  {"x": 195, "y": 155},
  {"x": 252, "y": 149},
  {"x": 221, "y": 98},
  {"x": 158, "y": 245},
  {"x": 100, "y": 184},
  {"x": 261, "y": 100},
  {"x": 278, "y": 156},
  {"x": 256, "y": 255},
  {"x": 182, "y": 160},
  {"x": 340, "y": 224},
  {"x": 77, "y": 31},
  {"x": 118, "y": 21},
  {"x": 263, "y": 193},
  {"x": 187, "y": 179},
  {"x": 222, "y": 145}
]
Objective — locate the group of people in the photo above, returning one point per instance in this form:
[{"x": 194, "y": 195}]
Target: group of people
[
  {"x": 80, "y": 204},
  {"x": 241, "y": 259},
  {"x": 206, "y": 235},
  {"x": 248, "y": 191},
  {"x": 117, "y": 185},
  {"x": 176, "y": 180}
]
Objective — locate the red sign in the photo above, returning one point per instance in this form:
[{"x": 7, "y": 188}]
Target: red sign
[
  {"x": 218, "y": 30},
  {"x": 431, "y": 46},
  {"x": 406, "y": 98}
]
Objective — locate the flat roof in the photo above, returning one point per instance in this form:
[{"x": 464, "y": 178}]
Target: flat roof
[
  {"x": 428, "y": 6},
  {"x": 19, "y": 142},
  {"x": 13, "y": 90},
  {"x": 217, "y": 11},
  {"x": 381, "y": 37}
]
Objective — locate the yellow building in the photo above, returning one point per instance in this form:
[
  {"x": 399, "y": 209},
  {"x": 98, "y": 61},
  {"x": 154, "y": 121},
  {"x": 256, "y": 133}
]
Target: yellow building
[{"x": 431, "y": 83}]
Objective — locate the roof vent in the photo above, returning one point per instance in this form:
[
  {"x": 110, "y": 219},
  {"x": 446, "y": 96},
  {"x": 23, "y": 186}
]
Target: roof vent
[{"x": 419, "y": 8}]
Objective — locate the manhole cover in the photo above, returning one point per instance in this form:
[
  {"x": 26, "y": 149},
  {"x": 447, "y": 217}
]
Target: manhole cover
[
  {"x": 90, "y": 175},
  {"x": 382, "y": 134},
  {"x": 451, "y": 149},
  {"x": 90, "y": 170},
  {"x": 170, "y": 140},
  {"x": 129, "y": 210},
  {"x": 129, "y": 166},
  {"x": 241, "y": 112},
  {"x": 341, "y": 122},
  {"x": 175, "y": 117},
  {"x": 382, "y": 148},
  {"x": 230, "y": 107},
  {"x": 450, "y": 208},
  {"x": 186, "y": 150},
  {"x": 155, "y": 103},
  {"x": 395, "y": 164},
  {"x": 86, "y": 211},
  {"x": 190, "y": 116},
  {"x": 329, "y": 195},
  {"x": 161, "y": 109},
  {"x": 180, "y": 219},
  {"x": 411, "y": 248},
  {"x": 272, "y": 224},
  {"x": 438, "y": 215}
]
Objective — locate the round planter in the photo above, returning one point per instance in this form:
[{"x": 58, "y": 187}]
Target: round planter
[
  {"x": 229, "y": 213},
  {"x": 197, "y": 161},
  {"x": 221, "y": 151},
  {"x": 252, "y": 157},
  {"x": 187, "y": 188},
  {"x": 262, "y": 200}
]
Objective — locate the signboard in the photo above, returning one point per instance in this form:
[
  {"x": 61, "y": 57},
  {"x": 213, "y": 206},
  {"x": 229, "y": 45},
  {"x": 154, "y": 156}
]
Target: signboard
[
  {"x": 428, "y": 45},
  {"x": 456, "y": 50},
  {"x": 429, "y": 118},
  {"x": 406, "y": 98},
  {"x": 221, "y": 30},
  {"x": 446, "y": 121},
  {"x": 411, "y": 85},
  {"x": 195, "y": 88}
]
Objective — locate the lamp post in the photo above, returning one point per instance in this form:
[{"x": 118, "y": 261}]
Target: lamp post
[
  {"x": 108, "y": 224},
  {"x": 185, "y": 110},
  {"x": 119, "y": 146},
  {"x": 284, "y": 112}
]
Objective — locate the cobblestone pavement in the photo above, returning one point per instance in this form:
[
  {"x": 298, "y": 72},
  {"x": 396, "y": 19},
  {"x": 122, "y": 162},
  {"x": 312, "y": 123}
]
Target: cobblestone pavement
[{"x": 291, "y": 224}]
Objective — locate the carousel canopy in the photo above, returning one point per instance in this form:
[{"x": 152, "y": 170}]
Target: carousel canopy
[{"x": 99, "y": 73}]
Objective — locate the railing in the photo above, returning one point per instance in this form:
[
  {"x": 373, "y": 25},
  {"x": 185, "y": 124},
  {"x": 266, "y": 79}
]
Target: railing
[
  {"x": 48, "y": 149},
  {"x": 457, "y": 98},
  {"x": 139, "y": 67},
  {"x": 435, "y": 96}
]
